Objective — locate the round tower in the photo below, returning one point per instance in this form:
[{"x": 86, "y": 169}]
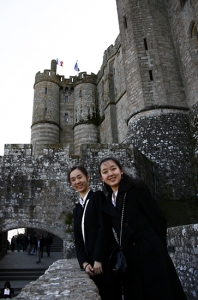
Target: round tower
[
  {"x": 158, "y": 121},
  {"x": 85, "y": 113},
  {"x": 45, "y": 119}
]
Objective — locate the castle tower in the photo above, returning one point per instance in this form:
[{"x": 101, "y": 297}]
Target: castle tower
[
  {"x": 85, "y": 114},
  {"x": 157, "y": 118},
  {"x": 185, "y": 16},
  {"x": 45, "y": 119}
]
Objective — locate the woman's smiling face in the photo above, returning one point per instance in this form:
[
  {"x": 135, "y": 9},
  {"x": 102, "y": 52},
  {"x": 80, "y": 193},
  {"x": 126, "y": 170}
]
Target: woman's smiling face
[
  {"x": 111, "y": 174},
  {"x": 79, "y": 182}
]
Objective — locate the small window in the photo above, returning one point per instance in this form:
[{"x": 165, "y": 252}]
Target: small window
[
  {"x": 46, "y": 111},
  {"x": 66, "y": 99},
  {"x": 80, "y": 93},
  {"x": 66, "y": 118},
  {"x": 45, "y": 91}
]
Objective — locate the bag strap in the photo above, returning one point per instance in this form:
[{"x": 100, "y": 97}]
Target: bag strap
[
  {"x": 122, "y": 217},
  {"x": 83, "y": 218}
]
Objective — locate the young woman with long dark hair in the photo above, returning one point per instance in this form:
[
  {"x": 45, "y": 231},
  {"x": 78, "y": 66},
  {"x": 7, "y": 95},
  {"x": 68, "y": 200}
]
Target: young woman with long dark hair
[
  {"x": 150, "y": 273},
  {"x": 90, "y": 233}
]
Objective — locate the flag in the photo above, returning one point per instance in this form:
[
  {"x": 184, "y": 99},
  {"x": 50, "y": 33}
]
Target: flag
[
  {"x": 59, "y": 62},
  {"x": 76, "y": 67}
]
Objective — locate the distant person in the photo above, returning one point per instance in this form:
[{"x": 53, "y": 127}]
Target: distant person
[
  {"x": 13, "y": 243},
  {"x": 34, "y": 244},
  {"x": 42, "y": 244},
  {"x": 23, "y": 242},
  {"x": 39, "y": 248},
  {"x": 7, "y": 291},
  {"x": 28, "y": 243},
  {"x": 48, "y": 243},
  {"x": 18, "y": 242}
]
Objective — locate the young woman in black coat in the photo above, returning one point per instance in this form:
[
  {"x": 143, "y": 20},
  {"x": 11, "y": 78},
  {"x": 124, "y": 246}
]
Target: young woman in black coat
[
  {"x": 150, "y": 272},
  {"x": 90, "y": 234}
]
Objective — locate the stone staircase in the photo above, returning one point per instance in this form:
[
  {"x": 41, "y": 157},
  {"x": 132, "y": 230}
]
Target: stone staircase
[
  {"x": 57, "y": 245},
  {"x": 19, "y": 277}
]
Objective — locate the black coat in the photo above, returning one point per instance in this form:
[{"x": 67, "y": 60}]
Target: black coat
[
  {"x": 151, "y": 274},
  {"x": 98, "y": 238},
  {"x": 95, "y": 246}
]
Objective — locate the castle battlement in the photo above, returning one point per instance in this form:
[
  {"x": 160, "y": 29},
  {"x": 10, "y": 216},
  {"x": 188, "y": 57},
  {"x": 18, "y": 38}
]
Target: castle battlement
[
  {"x": 108, "y": 54},
  {"x": 83, "y": 77},
  {"x": 48, "y": 75}
]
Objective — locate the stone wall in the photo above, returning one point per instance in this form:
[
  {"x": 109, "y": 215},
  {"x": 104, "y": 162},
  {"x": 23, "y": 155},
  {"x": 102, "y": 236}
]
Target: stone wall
[
  {"x": 184, "y": 253},
  {"x": 65, "y": 280},
  {"x": 182, "y": 19},
  {"x": 66, "y": 107},
  {"x": 163, "y": 136},
  {"x": 34, "y": 192},
  {"x": 62, "y": 280}
]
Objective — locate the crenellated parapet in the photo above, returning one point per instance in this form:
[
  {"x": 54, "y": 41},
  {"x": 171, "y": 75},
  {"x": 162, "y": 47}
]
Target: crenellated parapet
[
  {"x": 111, "y": 51},
  {"x": 83, "y": 77},
  {"x": 48, "y": 75}
]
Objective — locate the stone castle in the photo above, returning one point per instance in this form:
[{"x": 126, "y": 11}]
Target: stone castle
[
  {"x": 145, "y": 94},
  {"x": 141, "y": 107}
]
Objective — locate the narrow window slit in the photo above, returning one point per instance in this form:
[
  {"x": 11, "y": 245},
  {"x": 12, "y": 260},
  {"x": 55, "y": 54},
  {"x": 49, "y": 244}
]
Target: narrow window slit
[
  {"x": 145, "y": 44},
  {"x": 125, "y": 22},
  {"x": 151, "y": 75}
]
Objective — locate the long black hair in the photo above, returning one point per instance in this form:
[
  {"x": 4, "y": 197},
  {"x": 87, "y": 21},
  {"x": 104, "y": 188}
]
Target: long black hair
[
  {"x": 125, "y": 177},
  {"x": 80, "y": 168}
]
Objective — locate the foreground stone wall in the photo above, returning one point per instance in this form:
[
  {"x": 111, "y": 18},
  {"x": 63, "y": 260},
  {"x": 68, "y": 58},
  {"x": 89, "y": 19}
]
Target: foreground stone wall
[
  {"x": 184, "y": 253},
  {"x": 62, "y": 280},
  {"x": 65, "y": 280}
]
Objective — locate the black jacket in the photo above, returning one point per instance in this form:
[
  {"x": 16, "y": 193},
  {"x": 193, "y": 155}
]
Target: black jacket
[
  {"x": 96, "y": 236},
  {"x": 150, "y": 273}
]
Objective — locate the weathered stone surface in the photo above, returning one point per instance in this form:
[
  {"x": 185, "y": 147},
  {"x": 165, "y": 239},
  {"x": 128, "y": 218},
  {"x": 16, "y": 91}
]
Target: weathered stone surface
[
  {"x": 35, "y": 192},
  {"x": 184, "y": 239},
  {"x": 62, "y": 280}
]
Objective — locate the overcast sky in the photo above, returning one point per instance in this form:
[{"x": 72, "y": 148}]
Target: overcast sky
[{"x": 32, "y": 33}]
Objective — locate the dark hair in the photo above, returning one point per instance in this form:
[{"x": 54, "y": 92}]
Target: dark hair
[
  {"x": 81, "y": 168},
  {"x": 127, "y": 178},
  {"x": 7, "y": 284}
]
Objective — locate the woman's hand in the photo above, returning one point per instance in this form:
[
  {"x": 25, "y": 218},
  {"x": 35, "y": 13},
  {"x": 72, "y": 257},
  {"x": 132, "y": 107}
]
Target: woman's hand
[
  {"x": 88, "y": 269},
  {"x": 97, "y": 267}
]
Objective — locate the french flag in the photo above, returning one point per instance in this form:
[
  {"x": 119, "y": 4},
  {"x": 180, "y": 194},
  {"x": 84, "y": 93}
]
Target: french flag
[{"x": 59, "y": 62}]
